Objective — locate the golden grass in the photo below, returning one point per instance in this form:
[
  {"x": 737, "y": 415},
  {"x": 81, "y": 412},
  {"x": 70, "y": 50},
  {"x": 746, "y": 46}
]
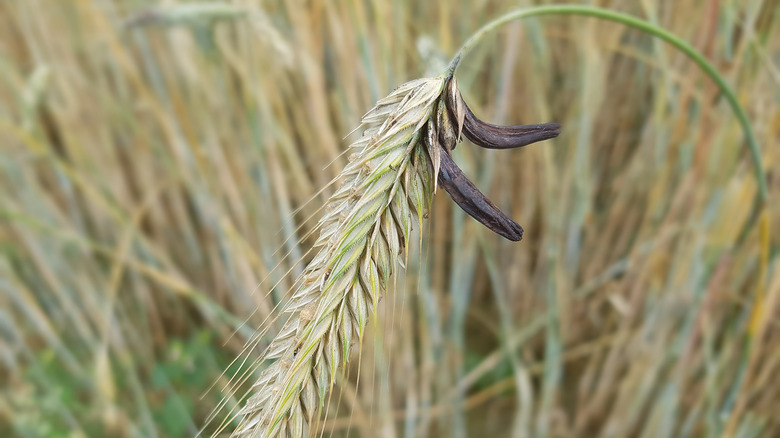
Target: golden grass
[{"x": 151, "y": 176}]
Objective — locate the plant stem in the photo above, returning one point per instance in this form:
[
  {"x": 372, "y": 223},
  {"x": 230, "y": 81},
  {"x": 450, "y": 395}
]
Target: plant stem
[
  {"x": 677, "y": 42},
  {"x": 760, "y": 203}
]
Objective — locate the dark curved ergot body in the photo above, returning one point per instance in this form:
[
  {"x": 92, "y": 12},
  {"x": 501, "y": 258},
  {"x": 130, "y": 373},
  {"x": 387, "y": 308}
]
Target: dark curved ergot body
[{"x": 488, "y": 136}]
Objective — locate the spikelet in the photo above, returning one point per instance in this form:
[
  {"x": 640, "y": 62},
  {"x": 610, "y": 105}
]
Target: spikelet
[{"x": 388, "y": 183}]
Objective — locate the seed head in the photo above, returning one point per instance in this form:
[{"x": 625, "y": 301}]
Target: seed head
[{"x": 392, "y": 174}]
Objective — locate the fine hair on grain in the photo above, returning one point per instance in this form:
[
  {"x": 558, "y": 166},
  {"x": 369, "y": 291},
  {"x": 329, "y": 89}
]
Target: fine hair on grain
[{"x": 363, "y": 235}]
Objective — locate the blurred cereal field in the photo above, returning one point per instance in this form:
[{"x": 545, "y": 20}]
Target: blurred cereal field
[{"x": 162, "y": 164}]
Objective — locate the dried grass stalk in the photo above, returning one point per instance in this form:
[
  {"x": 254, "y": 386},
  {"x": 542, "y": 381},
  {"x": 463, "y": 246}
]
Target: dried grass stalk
[{"x": 387, "y": 185}]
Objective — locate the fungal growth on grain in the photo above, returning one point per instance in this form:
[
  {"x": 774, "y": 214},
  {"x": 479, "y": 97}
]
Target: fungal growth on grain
[{"x": 394, "y": 170}]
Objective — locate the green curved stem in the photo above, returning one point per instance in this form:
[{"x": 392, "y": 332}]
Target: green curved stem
[
  {"x": 677, "y": 42},
  {"x": 761, "y": 200}
]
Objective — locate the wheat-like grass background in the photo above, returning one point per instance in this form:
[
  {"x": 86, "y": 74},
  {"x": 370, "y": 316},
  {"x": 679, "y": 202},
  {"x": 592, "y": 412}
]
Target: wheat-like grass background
[{"x": 163, "y": 166}]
